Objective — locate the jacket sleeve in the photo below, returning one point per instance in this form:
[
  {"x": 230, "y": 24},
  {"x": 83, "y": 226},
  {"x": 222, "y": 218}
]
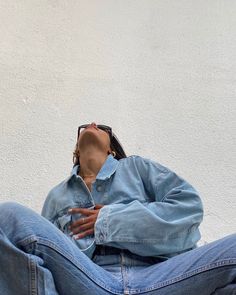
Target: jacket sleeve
[{"x": 164, "y": 226}]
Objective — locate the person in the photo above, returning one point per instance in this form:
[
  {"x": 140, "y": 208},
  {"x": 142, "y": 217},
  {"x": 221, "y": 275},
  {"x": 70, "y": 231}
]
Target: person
[{"x": 116, "y": 225}]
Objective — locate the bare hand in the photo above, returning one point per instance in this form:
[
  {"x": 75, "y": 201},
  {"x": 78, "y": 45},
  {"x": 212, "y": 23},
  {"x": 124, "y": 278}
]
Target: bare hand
[{"x": 85, "y": 225}]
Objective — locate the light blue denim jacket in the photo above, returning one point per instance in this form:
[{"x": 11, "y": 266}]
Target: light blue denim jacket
[{"x": 148, "y": 210}]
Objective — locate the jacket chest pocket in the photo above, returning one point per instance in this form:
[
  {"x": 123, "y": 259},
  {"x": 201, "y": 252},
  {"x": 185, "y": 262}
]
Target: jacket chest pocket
[
  {"x": 63, "y": 223},
  {"x": 86, "y": 244}
]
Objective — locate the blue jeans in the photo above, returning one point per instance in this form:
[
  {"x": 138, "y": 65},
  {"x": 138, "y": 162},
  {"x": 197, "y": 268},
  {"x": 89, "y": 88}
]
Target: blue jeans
[{"x": 37, "y": 259}]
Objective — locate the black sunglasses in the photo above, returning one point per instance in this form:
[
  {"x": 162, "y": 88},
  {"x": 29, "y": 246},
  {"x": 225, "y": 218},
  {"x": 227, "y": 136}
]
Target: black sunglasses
[{"x": 106, "y": 128}]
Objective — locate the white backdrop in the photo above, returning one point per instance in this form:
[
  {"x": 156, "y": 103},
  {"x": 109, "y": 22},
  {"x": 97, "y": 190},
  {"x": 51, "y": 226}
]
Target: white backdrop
[{"x": 160, "y": 72}]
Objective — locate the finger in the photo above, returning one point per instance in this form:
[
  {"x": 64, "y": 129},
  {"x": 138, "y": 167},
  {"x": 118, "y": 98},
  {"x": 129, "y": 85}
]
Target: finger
[
  {"x": 82, "y": 228},
  {"x": 81, "y": 221},
  {"x": 84, "y": 234},
  {"x": 82, "y": 211},
  {"x": 98, "y": 206}
]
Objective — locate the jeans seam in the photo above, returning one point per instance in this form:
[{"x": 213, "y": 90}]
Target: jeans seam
[
  {"x": 124, "y": 273},
  {"x": 225, "y": 262},
  {"x": 33, "y": 277}
]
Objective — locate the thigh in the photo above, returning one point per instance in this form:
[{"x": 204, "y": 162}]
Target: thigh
[
  {"x": 203, "y": 270},
  {"x": 73, "y": 272}
]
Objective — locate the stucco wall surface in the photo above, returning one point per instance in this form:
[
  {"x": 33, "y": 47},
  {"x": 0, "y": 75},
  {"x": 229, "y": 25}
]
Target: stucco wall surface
[{"x": 161, "y": 72}]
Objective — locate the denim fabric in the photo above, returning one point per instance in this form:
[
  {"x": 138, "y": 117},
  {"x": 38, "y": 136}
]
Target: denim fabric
[
  {"x": 36, "y": 258},
  {"x": 148, "y": 210}
]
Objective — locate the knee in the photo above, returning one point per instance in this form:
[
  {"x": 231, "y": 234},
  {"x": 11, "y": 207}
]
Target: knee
[
  {"x": 227, "y": 246},
  {"x": 15, "y": 221},
  {"x": 231, "y": 239},
  {"x": 10, "y": 206},
  {"x": 11, "y": 210}
]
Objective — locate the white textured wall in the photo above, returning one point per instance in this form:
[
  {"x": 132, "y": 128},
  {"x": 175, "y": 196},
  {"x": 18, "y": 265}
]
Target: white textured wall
[{"x": 161, "y": 72}]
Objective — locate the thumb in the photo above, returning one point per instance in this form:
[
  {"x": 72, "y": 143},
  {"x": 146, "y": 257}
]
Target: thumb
[{"x": 98, "y": 206}]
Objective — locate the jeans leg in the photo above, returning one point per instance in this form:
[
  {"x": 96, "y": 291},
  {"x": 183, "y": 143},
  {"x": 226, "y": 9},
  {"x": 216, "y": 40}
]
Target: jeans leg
[
  {"x": 21, "y": 273},
  {"x": 210, "y": 269},
  {"x": 37, "y": 258}
]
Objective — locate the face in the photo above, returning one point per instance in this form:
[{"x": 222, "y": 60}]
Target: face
[{"x": 95, "y": 136}]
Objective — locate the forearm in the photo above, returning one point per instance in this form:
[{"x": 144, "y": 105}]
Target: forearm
[{"x": 149, "y": 234}]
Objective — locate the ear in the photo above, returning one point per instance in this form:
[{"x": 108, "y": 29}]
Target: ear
[
  {"x": 76, "y": 152},
  {"x": 113, "y": 153},
  {"x": 109, "y": 150}
]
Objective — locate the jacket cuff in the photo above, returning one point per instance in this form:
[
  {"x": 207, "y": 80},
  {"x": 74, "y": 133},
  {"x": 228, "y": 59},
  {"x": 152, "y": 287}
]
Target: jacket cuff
[{"x": 101, "y": 225}]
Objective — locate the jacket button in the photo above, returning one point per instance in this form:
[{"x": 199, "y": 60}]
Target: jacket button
[{"x": 99, "y": 188}]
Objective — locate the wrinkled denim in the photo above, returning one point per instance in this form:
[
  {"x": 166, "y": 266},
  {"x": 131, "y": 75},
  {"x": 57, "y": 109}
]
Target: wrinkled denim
[
  {"x": 148, "y": 210},
  {"x": 36, "y": 258}
]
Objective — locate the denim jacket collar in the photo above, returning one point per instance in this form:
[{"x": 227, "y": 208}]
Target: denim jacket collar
[{"x": 108, "y": 168}]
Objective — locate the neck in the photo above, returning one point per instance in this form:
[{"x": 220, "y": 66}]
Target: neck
[{"x": 91, "y": 162}]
